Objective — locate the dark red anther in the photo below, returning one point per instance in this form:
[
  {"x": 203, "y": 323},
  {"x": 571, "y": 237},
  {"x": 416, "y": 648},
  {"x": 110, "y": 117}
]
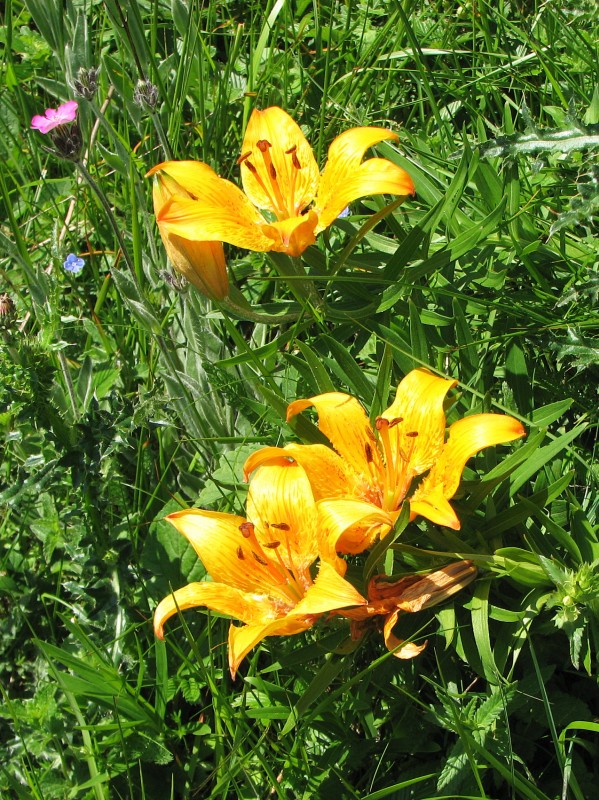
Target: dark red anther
[{"x": 396, "y": 421}]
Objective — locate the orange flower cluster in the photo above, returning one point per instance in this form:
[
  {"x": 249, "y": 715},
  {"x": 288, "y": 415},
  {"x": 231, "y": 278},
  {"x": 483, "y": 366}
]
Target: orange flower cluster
[
  {"x": 280, "y": 568},
  {"x": 285, "y": 200}
]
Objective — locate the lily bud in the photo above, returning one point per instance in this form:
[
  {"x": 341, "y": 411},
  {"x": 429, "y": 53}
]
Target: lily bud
[{"x": 201, "y": 263}]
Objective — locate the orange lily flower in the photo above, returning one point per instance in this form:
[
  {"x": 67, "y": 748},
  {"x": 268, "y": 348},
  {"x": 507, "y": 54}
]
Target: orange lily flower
[
  {"x": 201, "y": 263},
  {"x": 409, "y": 594},
  {"x": 281, "y": 178},
  {"x": 261, "y": 566},
  {"x": 379, "y": 468}
]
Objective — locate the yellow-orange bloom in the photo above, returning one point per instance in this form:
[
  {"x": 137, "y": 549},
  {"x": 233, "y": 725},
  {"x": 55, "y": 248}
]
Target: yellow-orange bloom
[
  {"x": 261, "y": 566},
  {"x": 201, "y": 263},
  {"x": 379, "y": 468},
  {"x": 280, "y": 177},
  {"x": 409, "y": 594}
]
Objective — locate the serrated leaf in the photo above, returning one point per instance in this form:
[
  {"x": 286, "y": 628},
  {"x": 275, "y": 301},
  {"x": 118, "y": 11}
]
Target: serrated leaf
[
  {"x": 585, "y": 352},
  {"x": 562, "y": 141}
]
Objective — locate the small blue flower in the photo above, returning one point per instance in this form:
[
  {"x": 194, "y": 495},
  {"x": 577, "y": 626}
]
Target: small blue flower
[
  {"x": 345, "y": 213},
  {"x": 73, "y": 264}
]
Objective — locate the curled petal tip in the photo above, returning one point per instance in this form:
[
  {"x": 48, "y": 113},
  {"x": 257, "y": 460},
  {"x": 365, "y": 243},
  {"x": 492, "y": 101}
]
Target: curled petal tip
[
  {"x": 297, "y": 406},
  {"x": 266, "y": 455}
]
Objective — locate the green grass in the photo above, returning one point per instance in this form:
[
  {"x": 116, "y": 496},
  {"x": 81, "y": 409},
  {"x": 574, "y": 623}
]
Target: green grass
[{"x": 124, "y": 396}]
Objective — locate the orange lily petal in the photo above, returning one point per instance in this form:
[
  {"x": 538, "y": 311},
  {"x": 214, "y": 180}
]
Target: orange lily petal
[
  {"x": 344, "y": 422},
  {"x": 434, "y": 506},
  {"x": 345, "y": 179},
  {"x": 218, "y": 540},
  {"x": 466, "y": 437},
  {"x": 329, "y": 475},
  {"x": 282, "y": 174},
  {"x": 243, "y": 639},
  {"x": 408, "y": 649},
  {"x": 352, "y": 526},
  {"x": 197, "y": 179},
  {"x": 292, "y": 235},
  {"x": 210, "y": 209},
  {"x": 419, "y": 436},
  {"x": 413, "y": 593},
  {"x": 266, "y": 455},
  {"x": 217, "y": 596},
  {"x": 202, "y": 263},
  {"x": 236, "y": 222},
  {"x": 329, "y": 592},
  {"x": 281, "y": 505}
]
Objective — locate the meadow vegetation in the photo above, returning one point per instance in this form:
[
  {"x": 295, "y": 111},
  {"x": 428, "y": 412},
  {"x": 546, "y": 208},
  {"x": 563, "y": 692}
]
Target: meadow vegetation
[{"x": 126, "y": 395}]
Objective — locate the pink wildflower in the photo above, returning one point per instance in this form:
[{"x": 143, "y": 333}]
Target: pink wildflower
[{"x": 53, "y": 117}]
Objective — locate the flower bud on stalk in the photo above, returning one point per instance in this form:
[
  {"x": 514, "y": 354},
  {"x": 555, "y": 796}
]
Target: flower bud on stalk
[
  {"x": 86, "y": 82},
  {"x": 145, "y": 95}
]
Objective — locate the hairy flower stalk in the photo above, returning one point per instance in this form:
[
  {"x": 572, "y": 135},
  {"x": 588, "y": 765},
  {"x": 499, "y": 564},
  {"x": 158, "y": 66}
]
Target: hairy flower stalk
[{"x": 380, "y": 466}]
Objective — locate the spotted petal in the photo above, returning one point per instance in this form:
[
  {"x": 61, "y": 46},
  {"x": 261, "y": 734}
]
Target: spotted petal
[
  {"x": 285, "y": 174},
  {"x": 419, "y": 434},
  {"x": 328, "y": 593},
  {"x": 217, "y": 539},
  {"x": 281, "y": 505},
  {"x": 344, "y": 422},
  {"x": 329, "y": 474}
]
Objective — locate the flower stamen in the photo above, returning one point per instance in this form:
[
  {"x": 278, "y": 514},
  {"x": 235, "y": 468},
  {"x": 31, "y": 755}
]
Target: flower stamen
[
  {"x": 286, "y": 580},
  {"x": 296, "y": 168},
  {"x": 274, "y": 193},
  {"x": 390, "y": 480}
]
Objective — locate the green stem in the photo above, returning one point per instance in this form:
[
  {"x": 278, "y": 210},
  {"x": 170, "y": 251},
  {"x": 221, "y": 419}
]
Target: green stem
[
  {"x": 300, "y": 285},
  {"x": 111, "y": 218},
  {"x": 68, "y": 382},
  {"x": 247, "y": 312},
  {"x": 168, "y": 154}
]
